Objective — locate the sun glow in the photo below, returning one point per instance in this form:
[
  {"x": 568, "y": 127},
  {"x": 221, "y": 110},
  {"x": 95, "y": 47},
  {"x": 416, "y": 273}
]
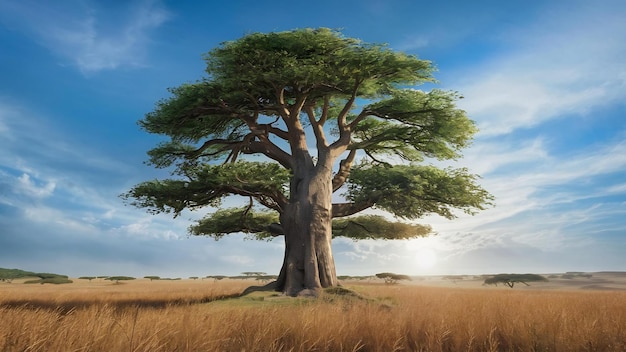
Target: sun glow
[{"x": 426, "y": 258}]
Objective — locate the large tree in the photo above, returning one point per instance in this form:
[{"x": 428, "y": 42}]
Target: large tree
[{"x": 276, "y": 121}]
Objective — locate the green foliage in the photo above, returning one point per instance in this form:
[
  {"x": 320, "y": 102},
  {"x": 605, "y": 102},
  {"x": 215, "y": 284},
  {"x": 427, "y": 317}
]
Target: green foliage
[
  {"x": 44, "y": 276},
  {"x": 10, "y": 274},
  {"x": 391, "y": 278},
  {"x": 376, "y": 227},
  {"x": 320, "y": 60},
  {"x": 87, "y": 278},
  {"x": 207, "y": 185},
  {"x": 56, "y": 280},
  {"x": 117, "y": 279},
  {"x": 411, "y": 191},
  {"x": 511, "y": 279},
  {"x": 253, "y": 273},
  {"x": 152, "y": 277},
  {"x": 262, "y": 89},
  {"x": 413, "y": 124},
  {"x": 232, "y": 220}
]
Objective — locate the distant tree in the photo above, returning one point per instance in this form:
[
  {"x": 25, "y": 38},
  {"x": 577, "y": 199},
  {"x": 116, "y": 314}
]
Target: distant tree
[
  {"x": 117, "y": 279},
  {"x": 454, "y": 278},
  {"x": 87, "y": 278},
  {"x": 56, "y": 280},
  {"x": 391, "y": 278},
  {"x": 193, "y": 277},
  {"x": 265, "y": 278},
  {"x": 511, "y": 279},
  {"x": 49, "y": 275},
  {"x": 282, "y": 96},
  {"x": 575, "y": 274},
  {"x": 253, "y": 273},
  {"x": 8, "y": 275},
  {"x": 216, "y": 277},
  {"x": 152, "y": 277}
]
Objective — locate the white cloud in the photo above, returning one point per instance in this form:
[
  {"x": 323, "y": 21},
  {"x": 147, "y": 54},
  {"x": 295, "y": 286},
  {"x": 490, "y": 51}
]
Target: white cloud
[
  {"x": 544, "y": 202},
  {"x": 28, "y": 186},
  {"x": 138, "y": 224},
  {"x": 237, "y": 259},
  {"x": 616, "y": 189},
  {"x": 413, "y": 43},
  {"x": 559, "y": 65},
  {"x": 36, "y": 147},
  {"x": 84, "y": 34}
]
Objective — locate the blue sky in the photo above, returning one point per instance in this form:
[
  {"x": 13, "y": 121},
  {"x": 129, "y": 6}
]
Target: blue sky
[{"x": 545, "y": 82}]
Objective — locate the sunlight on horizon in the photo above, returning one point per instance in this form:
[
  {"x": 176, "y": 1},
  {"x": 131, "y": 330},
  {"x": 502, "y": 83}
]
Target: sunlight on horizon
[{"x": 426, "y": 258}]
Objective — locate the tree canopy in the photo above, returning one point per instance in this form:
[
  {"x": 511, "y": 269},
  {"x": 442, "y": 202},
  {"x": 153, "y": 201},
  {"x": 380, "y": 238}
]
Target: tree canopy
[
  {"x": 260, "y": 82},
  {"x": 278, "y": 121},
  {"x": 511, "y": 279},
  {"x": 392, "y": 278}
]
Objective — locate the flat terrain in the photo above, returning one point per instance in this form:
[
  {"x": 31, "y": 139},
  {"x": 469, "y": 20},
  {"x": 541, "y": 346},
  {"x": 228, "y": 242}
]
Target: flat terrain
[
  {"x": 556, "y": 281},
  {"x": 425, "y": 314}
]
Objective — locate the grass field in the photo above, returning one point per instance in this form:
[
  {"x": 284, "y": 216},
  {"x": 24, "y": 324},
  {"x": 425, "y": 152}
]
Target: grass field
[{"x": 203, "y": 315}]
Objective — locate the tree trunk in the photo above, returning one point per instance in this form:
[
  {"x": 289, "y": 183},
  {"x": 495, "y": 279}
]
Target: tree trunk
[{"x": 308, "y": 264}]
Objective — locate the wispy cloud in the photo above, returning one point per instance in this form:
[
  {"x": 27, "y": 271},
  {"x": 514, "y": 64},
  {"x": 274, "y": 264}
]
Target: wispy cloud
[
  {"x": 46, "y": 180},
  {"x": 568, "y": 63},
  {"x": 28, "y": 186},
  {"x": 87, "y": 36},
  {"x": 551, "y": 204}
]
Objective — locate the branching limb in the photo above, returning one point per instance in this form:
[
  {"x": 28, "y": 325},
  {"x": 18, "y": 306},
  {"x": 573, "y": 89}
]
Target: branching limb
[
  {"x": 376, "y": 160},
  {"x": 317, "y": 128},
  {"x": 344, "y": 170},
  {"x": 347, "y": 209},
  {"x": 364, "y": 113},
  {"x": 276, "y": 229},
  {"x": 325, "y": 109},
  {"x": 341, "y": 118},
  {"x": 264, "y": 145}
]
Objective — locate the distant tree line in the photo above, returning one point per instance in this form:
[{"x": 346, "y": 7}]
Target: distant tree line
[
  {"x": 511, "y": 279},
  {"x": 391, "y": 278},
  {"x": 8, "y": 275}
]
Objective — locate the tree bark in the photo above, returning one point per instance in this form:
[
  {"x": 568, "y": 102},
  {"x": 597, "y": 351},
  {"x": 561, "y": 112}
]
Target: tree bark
[{"x": 308, "y": 263}]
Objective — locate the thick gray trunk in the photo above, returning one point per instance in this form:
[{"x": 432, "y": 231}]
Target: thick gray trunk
[{"x": 308, "y": 263}]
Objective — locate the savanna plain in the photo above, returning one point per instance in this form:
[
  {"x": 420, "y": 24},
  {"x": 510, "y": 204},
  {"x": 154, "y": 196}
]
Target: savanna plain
[{"x": 426, "y": 314}]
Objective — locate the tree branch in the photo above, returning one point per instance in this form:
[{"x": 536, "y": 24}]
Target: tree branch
[
  {"x": 341, "y": 118},
  {"x": 363, "y": 114},
  {"x": 347, "y": 209},
  {"x": 264, "y": 145},
  {"x": 272, "y": 200},
  {"x": 344, "y": 170},
  {"x": 325, "y": 108},
  {"x": 317, "y": 128},
  {"x": 376, "y": 160}
]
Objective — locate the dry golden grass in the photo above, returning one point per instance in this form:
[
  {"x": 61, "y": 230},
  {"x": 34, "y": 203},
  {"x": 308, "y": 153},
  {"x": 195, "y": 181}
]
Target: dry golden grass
[{"x": 166, "y": 316}]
